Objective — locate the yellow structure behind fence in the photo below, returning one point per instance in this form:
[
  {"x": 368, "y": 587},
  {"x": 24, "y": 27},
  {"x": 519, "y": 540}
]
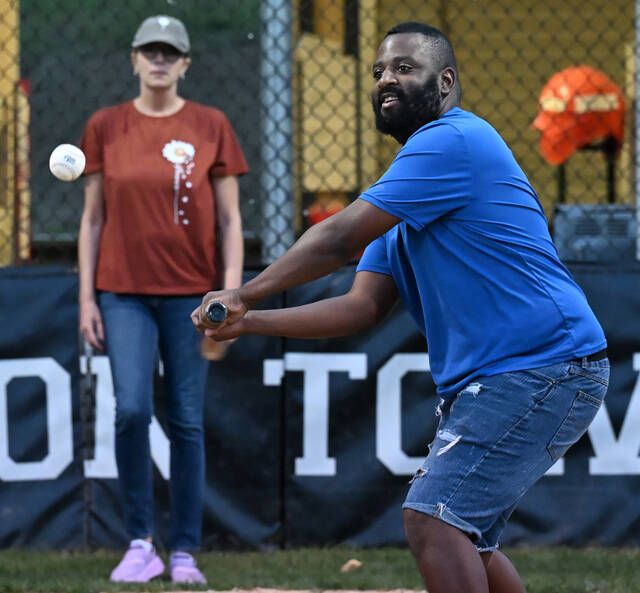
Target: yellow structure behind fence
[{"x": 14, "y": 142}]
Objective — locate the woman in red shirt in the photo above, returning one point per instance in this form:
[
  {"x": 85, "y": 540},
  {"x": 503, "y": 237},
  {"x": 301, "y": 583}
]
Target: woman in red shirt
[{"x": 161, "y": 194}]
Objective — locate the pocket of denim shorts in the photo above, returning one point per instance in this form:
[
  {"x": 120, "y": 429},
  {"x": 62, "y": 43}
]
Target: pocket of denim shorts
[
  {"x": 583, "y": 410},
  {"x": 593, "y": 374}
]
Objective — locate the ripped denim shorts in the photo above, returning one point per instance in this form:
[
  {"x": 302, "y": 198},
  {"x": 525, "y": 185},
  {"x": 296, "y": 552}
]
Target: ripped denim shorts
[{"x": 497, "y": 437}]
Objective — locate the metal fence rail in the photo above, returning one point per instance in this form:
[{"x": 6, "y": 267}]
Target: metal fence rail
[{"x": 293, "y": 78}]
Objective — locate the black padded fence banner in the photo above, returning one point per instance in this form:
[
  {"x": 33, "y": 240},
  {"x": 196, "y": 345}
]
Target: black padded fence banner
[{"x": 308, "y": 442}]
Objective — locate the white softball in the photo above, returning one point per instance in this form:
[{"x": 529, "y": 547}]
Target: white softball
[{"x": 67, "y": 162}]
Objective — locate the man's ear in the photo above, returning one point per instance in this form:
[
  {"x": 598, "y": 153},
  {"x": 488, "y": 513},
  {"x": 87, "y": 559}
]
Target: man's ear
[{"x": 447, "y": 81}]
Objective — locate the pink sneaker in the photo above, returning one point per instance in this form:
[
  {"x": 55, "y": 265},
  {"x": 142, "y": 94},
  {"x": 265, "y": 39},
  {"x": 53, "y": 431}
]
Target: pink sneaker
[
  {"x": 140, "y": 564},
  {"x": 184, "y": 569}
]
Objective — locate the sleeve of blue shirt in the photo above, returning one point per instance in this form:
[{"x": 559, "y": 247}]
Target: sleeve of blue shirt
[
  {"x": 429, "y": 178},
  {"x": 374, "y": 258}
]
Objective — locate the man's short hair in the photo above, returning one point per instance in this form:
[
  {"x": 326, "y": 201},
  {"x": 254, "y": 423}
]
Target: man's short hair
[{"x": 440, "y": 42}]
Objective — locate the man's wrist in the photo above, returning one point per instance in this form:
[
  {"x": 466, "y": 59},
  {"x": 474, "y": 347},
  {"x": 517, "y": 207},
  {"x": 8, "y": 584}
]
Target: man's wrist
[
  {"x": 251, "y": 322},
  {"x": 248, "y": 297}
]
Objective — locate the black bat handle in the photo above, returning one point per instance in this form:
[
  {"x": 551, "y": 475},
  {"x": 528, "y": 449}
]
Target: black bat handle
[{"x": 216, "y": 312}]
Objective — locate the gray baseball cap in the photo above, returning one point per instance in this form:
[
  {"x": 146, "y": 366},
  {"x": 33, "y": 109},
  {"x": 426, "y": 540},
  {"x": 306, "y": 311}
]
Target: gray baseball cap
[{"x": 162, "y": 29}]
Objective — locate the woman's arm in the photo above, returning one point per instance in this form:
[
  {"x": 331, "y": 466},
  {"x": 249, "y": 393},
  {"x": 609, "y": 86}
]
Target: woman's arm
[
  {"x": 88, "y": 244},
  {"x": 230, "y": 229}
]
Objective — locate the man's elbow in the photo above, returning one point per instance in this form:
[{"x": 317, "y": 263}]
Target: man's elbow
[
  {"x": 370, "y": 312},
  {"x": 340, "y": 241}
]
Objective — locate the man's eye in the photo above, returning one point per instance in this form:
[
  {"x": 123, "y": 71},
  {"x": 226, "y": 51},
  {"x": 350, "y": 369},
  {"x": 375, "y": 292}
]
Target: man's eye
[
  {"x": 377, "y": 74},
  {"x": 403, "y": 68}
]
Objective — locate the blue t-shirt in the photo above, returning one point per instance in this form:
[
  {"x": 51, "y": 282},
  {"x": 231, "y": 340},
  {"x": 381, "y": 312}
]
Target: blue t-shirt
[{"x": 472, "y": 256}]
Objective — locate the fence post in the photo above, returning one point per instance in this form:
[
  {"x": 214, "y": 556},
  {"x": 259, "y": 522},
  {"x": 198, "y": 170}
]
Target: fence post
[{"x": 276, "y": 182}]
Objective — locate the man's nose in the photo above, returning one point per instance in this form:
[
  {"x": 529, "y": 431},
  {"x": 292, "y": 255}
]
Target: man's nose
[{"x": 387, "y": 78}]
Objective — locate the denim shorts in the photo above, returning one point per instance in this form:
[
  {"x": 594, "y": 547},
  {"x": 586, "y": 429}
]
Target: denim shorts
[{"x": 497, "y": 437}]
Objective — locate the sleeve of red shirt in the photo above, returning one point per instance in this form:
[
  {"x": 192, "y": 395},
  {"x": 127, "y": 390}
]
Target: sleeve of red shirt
[
  {"x": 230, "y": 158},
  {"x": 92, "y": 144}
]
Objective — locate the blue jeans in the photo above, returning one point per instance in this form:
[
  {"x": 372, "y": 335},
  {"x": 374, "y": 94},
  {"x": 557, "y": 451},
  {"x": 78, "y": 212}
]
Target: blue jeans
[
  {"x": 136, "y": 327},
  {"x": 497, "y": 437}
]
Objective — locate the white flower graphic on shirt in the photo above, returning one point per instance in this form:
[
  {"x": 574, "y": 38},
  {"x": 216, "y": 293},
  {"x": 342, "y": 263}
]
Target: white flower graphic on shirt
[
  {"x": 181, "y": 155},
  {"x": 178, "y": 152}
]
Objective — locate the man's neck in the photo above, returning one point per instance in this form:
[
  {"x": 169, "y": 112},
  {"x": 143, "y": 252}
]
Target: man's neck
[
  {"x": 446, "y": 106},
  {"x": 449, "y": 103}
]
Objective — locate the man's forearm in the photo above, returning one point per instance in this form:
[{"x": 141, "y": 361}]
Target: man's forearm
[
  {"x": 329, "y": 318},
  {"x": 317, "y": 253}
]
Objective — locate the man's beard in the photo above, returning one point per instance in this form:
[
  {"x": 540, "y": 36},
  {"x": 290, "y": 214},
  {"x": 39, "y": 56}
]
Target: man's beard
[{"x": 416, "y": 108}]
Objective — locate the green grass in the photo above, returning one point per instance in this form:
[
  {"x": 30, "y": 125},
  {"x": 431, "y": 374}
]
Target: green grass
[{"x": 548, "y": 570}]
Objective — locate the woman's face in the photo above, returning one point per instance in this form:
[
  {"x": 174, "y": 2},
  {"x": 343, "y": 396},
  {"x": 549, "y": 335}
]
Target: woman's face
[{"x": 159, "y": 65}]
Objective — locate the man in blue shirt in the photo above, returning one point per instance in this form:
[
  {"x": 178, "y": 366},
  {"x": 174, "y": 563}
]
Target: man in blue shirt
[{"x": 454, "y": 229}]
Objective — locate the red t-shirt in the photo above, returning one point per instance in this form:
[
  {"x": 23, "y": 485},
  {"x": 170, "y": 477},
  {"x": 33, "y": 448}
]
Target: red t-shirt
[{"x": 159, "y": 229}]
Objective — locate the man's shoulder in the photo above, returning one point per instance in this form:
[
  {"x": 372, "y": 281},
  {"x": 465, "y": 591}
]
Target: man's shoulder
[
  {"x": 447, "y": 131},
  {"x": 466, "y": 122},
  {"x": 468, "y": 127}
]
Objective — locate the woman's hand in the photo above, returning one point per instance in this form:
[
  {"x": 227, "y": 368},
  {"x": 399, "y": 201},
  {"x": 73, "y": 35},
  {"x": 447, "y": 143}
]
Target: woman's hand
[
  {"x": 91, "y": 327},
  {"x": 214, "y": 350}
]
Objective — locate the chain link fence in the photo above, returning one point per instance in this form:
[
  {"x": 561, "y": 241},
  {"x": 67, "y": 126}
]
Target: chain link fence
[{"x": 294, "y": 77}]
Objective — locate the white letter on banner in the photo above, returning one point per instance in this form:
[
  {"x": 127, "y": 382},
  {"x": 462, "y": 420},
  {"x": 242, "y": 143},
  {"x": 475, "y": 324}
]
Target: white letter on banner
[
  {"x": 103, "y": 465},
  {"x": 617, "y": 457},
  {"x": 389, "y": 412},
  {"x": 315, "y": 460},
  {"x": 59, "y": 420}
]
